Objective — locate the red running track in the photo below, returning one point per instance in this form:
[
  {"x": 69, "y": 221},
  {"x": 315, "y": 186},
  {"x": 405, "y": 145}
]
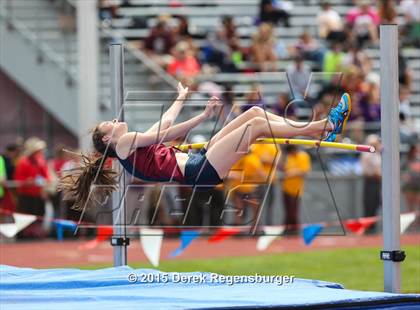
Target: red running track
[{"x": 50, "y": 253}]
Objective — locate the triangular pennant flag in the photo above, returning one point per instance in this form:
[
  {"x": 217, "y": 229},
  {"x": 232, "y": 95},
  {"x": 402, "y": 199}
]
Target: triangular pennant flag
[
  {"x": 9, "y": 230},
  {"x": 187, "y": 236},
  {"x": 310, "y": 232},
  {"x": 61, "y": 225},
  {"x": 270, "y": 234},
  {"x": 151, "y": 243},
  {"x": 359, "y": 226},
  {"x": 21, "y": 221},
  {"x": 223, "y": 233},
  {"x": 406, "y": 220},
  {"x": 104, "y": 232}
]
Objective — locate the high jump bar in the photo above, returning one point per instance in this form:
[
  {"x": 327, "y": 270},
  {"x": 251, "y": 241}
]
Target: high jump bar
[{"x": 313, "y": 143}]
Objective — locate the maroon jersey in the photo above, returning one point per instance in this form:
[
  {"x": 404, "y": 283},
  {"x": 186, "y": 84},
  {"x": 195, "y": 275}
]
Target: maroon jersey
[{"x": 154, "y": 163}]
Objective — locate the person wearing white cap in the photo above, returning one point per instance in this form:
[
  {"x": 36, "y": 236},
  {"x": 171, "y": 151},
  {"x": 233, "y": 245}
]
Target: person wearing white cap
[{"x": 32, "y": 172}]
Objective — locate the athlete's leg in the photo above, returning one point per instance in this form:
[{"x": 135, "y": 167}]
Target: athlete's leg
[
  {"x": 224, "y": 153},
  {"x": 258, "y": 112}
]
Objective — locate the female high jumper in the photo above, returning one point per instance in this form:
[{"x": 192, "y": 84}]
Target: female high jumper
[{"x": 144, "y": 155}]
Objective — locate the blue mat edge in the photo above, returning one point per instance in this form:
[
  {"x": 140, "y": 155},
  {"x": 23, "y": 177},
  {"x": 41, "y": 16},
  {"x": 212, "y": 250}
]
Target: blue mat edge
[{"x": 393, "y": 301}]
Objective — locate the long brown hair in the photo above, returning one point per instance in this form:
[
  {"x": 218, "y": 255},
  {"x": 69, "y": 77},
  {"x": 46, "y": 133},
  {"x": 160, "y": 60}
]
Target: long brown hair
[{"x": 93, "y": 178}]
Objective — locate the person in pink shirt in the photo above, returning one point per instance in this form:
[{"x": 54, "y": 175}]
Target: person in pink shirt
[
  {"x": 364, "y": 21},
  {"x": 184, "y": 65}
]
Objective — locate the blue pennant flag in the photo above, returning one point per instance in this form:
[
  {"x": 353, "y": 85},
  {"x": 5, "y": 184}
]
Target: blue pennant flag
[
  {"x": 310, "y": 232},
  {"x": 61, "y": 225},
  {"x": 186, "y": 237}
]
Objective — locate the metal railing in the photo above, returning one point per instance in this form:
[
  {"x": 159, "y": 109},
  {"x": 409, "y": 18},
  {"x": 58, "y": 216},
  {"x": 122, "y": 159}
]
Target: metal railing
[
  {"x": 44, "y": 50},
  {"x": 138, "y": 54},
  {"x": 142, "y": 57}
]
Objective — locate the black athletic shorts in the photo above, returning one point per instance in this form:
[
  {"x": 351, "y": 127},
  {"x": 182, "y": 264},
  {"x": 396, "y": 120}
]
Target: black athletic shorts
[{"x": 199, "y": 172}]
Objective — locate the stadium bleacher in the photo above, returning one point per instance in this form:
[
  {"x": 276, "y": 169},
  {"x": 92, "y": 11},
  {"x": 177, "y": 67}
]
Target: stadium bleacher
[{"x": 204, "y": 16}]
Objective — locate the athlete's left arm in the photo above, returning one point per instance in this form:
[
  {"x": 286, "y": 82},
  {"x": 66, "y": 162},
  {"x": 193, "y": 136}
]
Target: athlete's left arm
[{"x": 168, "y": 118}]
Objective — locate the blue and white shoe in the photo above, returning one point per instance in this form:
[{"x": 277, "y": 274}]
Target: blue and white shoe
[
  {"x": 340, "y": 114},
  {"x": 331, "y": 136},
  {"x": 338, "y": 117}
]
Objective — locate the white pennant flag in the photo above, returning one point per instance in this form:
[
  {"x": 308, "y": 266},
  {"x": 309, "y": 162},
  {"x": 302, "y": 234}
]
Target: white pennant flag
[
  {"x": 406, "y": 220},
  {"x": 271, "y": 233},
  {"x": 151, "y": 243},
  {"x": 21, "y": 221}
]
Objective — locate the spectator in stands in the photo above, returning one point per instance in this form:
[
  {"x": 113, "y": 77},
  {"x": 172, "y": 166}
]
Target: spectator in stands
[
  {"x": 32, "y": 172},
  {"x": 299, "y": 75},
  {"x": 242, "y": 182},
  {"x": 284, "y": 107},
  {"x": 3, "y": 179},
  {"x": 370, "y": 102},
  {"x": 408, "y": 132},
  {"x": 228, "y": 100},
  {"x": 371, "y": 167},
  {"x": 67, "y": 17},
  {"x": 411, "y": 10},
  {"x": 353, "y": 82},
  {"x": 222, "y": 48},
  {"x": 271, "y": 11},
  {"x": 10, "y": 158},
  {"x": 253, "y": 98},
  {"x": 159, "y": 43},
  {"x": 405, "y": 74},
  {"x": 355, "y": 56},
  {"x": 181, "y": 32},
  {"x": 309, "y": 48},
  {"x": 364, "y": 21},
  {"x": 268, "y": 155},
  {"x": 330, "y": 25},
  {"x": 263, "y": 48},
  {"x": 410, "y": 178},
  {"x": 184, "y": 66},
  {"x": 405, "y": 107},
  {"x": 182, "y": 29},
  {"x": 387, "y": 12},
  {"x": 333, "y": 61},
  {"x": 107, "y": 11},
  {"x": 295, "y": 165}
]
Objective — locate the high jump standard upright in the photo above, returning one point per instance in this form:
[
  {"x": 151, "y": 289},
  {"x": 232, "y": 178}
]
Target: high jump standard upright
[{"x": 391, "y": 254}]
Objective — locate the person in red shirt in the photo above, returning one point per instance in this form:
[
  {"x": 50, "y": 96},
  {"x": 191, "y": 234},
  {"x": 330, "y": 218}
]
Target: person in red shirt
[
  {"x": 32, "y": 172},
  {"x": 184, "y": 65}
]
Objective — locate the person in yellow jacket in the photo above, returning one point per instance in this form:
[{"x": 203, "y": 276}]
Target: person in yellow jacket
[
  {"x": 267, "y": 154},
  {"x": 242, "y": 182},
  {"x": 297, "y": 164}
]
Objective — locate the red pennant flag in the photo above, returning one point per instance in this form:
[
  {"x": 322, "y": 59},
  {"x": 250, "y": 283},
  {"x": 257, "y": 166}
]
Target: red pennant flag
[
  {"x": 359, "y": 226},
  {"x": 103, "y": 232},
  {"x": 223, "y": 233}
]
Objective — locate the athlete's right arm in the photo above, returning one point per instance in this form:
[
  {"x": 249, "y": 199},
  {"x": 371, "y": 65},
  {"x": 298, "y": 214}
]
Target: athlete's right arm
[
  {"x": 133, "y": 140},
  {"x": 168, "y": 118}
]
